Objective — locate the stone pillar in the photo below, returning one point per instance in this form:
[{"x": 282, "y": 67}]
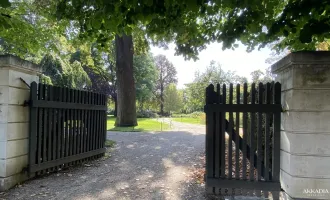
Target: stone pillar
[
  {"x": 14, "y": 118},
  {"x": 305, "y": 126}
]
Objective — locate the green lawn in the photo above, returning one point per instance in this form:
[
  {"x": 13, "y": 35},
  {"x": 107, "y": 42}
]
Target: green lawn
[
  {"x": 144, "y": 124},
  {"x": 189, "y": 120}
]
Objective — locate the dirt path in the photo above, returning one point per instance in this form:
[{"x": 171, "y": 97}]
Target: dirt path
[{"x": 142, "y": 166}]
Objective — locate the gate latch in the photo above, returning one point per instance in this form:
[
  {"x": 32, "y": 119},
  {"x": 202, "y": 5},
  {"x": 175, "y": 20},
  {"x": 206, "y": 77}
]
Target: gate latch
[{"x": 26, "y": 103}]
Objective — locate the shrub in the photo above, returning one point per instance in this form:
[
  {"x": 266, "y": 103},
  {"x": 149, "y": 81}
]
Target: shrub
[
  {"x": 110, "y": 111},
  {"x": 146, "y": 114},
  {"x": 196, "y": 114}
]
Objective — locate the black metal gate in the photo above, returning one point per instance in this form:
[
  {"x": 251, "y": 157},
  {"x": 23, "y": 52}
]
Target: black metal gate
[
  {"x": 66, "y": 127},
  {"x": 243, "y": 139}
]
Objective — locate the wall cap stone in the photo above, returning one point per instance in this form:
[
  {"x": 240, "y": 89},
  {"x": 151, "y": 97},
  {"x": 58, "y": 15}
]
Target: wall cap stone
[
  {"x": 303, "y": 59},
  {"x": 11, "y": 61}
]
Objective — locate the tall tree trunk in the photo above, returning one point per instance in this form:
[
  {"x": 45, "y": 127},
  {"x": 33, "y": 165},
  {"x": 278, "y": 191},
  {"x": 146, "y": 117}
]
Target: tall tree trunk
[
  {"x": 116, "y": 106},
  {"x": 126, "y": 113}
]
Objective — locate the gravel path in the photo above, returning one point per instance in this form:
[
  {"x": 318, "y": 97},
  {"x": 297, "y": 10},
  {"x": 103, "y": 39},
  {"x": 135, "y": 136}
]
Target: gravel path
[{"x": 141, "y": 166}]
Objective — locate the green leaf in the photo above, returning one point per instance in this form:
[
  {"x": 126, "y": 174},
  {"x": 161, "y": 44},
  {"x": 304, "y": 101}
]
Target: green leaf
[
  {"x": 148, "y": 2},
  {"x": 192, "y": 5},
  {"x": 96, "y": 23},
  {"x": 305, "y": 35},
  {"x": 5, "y": 3}
]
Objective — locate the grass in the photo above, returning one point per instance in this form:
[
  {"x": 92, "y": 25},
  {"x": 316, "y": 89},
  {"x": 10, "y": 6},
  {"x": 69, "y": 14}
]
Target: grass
[
  {"x": 189, "y": 120},
  {"x": 110, "y": 143},
  {"x": 144, "y": 124}
]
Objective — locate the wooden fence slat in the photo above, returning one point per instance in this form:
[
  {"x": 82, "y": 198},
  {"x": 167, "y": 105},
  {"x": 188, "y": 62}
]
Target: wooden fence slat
[
  {"x": 63, "y": 115},
  {"x": 85, "y": 95},
  {"x": 80, "y": 123},
  {"x": 217, "y": 138},
  {"x": 223, "y": 134},
  {"x": 259, "y": 136},
  {"x": 218, "y": 147},
  {"x": 210, "y": 140},
  {"x": 55, "y": 113},
  {"x": 40, "y": 129},
  {"x": 67, "y": 125},
  {"x": 237, "y": 173},
  {"x": 59, "y": 126},
  {"x": 252, "y": 129},
  {"x": 93, "y": 133},
  {"x": 89, "y": 130},
  {"x": 99, "y": 123},
  {"x": 50, "y": 127},
  {"x": 33, "y": 136},
  {"x": 230, "y": 142},
  {"x": 244, "y": 131},
  {"x": 96, "y": 128},
  {"x": 45, "y": 126},
  {"x": 276, "y": 134},
  {"x": 74, "y": 123},
  {"x": 267, "y": 134},
  {"x": 105, "y": 128}
]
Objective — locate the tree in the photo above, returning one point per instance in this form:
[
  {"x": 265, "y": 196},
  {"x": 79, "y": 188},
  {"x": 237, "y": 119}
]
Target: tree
[
  {"x": 260, "y": 76},
  {"x": 63, "y": 73},
  {"x": 213, "y": 74},
  {"x": 256, "y": 75},
  {"x": 172, "y": 99},
  {"x": 191, "y": 25},
  {"x": 167, "y": 75},
  {"x": 145, "y": 75}
]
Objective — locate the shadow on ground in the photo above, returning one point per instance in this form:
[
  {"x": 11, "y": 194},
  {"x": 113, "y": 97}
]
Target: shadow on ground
[{"x": 141, "y": 166}]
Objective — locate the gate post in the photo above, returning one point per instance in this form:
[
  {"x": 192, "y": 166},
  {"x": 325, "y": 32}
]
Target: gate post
[
  {"x": 15, "y": 77},
  {"x": 305, "y": 126}
]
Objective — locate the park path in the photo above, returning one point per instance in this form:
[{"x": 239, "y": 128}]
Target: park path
[{"x": 155, "y": 165}]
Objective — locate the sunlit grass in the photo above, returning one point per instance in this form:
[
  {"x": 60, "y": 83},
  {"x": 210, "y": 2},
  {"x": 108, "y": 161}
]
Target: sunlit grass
[
  {"x": 189, "y": 120},
  {"x": 144, "y": 124}
]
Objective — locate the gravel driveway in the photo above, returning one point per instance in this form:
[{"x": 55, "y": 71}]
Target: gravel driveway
[{"x": 141, "y": 166}]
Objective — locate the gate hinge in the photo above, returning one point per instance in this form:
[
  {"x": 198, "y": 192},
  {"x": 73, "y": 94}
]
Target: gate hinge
[
  {"x": 26, "y": 103},
  {"x": 25, "y": 169}
]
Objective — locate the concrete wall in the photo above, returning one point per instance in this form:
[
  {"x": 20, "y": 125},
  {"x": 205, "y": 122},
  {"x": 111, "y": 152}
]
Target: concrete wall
[
  {"x": 305, "y": 127},
  {"x": 14, "y": 118}
]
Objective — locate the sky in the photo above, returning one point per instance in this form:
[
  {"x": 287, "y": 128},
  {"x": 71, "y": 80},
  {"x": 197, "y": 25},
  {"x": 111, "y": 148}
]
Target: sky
[{"x": 238, "y": 60}]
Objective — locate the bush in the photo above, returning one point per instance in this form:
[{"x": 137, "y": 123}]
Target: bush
[
  {"x": 146, "y": 114},
  {"x": 176, "y": 115},
  {"x": 196, "y": 114},
  {"x": 110, "y": 111}
]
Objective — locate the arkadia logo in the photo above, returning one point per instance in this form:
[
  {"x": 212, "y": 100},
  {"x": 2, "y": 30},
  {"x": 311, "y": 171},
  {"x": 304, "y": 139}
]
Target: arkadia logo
[{"x": 316, "y": 192}]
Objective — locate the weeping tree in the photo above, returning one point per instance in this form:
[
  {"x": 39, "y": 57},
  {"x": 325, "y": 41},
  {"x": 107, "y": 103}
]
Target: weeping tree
[{"x": 63, "y": 73}]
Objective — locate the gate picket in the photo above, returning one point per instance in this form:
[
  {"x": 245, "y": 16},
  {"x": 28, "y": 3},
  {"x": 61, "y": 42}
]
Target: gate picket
[
  {"x": 231, "y": 126},
  {"x": 237, "y": 143},
  {"x": 267, "y": 134},
  {"x": 259, "y": 138},
  {"x": 252, "y": 124},
  {"x": 223, "y": 134},
  {"x": 244, "y": 131}
]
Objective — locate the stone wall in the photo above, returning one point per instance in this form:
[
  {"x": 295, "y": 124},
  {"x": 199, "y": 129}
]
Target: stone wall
[
  {"x": 14, "y": 118},
  {"x": 305, "y": 127}
]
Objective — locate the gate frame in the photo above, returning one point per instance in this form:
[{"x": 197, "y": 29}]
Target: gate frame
[
  {"x": 93, "y": 105},
  {"x": 215, "y": 109}
]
